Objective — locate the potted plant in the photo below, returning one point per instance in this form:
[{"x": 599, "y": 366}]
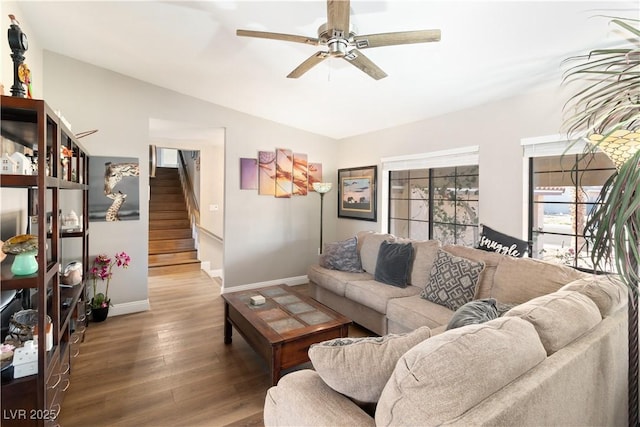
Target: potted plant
[
  {"x": 102, "y": 270},
  {"x": 606, "y": 113}
]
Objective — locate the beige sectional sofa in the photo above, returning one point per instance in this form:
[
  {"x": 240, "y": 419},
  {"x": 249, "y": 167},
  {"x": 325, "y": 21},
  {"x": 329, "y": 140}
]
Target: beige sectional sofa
[
  {"x": 557, "y": 357},
  {"x": 382, "y": 308}
]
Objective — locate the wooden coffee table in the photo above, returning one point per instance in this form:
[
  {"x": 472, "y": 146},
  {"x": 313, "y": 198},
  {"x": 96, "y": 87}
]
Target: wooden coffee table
[{"x": 282, "y": 329}]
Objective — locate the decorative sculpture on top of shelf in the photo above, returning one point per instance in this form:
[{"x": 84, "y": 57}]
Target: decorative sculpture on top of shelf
[{"x": 19, "y": 44}]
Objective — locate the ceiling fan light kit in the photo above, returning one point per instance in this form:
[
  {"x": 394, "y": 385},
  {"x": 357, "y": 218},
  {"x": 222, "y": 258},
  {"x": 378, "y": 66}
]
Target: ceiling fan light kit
[{"x": 342, "y": 41}]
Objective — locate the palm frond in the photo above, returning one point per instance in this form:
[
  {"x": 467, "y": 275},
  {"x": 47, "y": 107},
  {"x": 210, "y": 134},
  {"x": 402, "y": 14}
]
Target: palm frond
[{"x": 608, "y": 102}]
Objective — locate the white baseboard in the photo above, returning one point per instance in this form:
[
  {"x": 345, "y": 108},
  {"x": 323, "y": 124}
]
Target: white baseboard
[
  {"x": 214, "y": 273},
  {"x": 206, "y": 267},
  {"x": 129, "y": 307},
  {"x": 291, "y": 281}
]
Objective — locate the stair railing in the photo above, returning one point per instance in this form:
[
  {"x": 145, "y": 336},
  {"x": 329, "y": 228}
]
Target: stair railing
[{"x": 190, "y": 197}]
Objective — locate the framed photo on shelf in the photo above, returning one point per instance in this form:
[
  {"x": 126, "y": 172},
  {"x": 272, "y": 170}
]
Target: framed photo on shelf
[{"x": 357, "y": 193}]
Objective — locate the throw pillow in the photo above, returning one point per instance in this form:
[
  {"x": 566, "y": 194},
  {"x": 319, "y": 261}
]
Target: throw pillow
[
  {"x": 474, "y": 312},
  {"x": 341, "y": 256},
  {"x": 394, "y": 263},
  {"x": 494, "y": 241},
  {"x": 452, "y": 282},
  {"x": 359, "y": 368}
]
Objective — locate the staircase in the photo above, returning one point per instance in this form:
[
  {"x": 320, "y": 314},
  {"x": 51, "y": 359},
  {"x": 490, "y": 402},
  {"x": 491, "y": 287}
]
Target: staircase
[{"x": 171, "y": 246}]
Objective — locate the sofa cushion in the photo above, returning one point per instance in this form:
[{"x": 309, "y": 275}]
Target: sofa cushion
[
  {"x": 474, "y": 312},
  {"x": 490, "y": 260},
  {"x": 303, "y": 399},
  {"x": 452, "y": 281},
  {"x": 342, "y": 256},
  {"x": 495, "y": 241},
  {"x": 559, "y": 318},
  {"x": 376, "y": 295},
  {"x": 443, "y": 377},
  {"x": 415, "y": 311},
  {"x": 608, "y": 292},
  {"x": 334, "y": 280},
  {"x": 518, "y": 280},
  {"x": 369, "y": 250},
  {"x": 394, "y": 263},
  {"x": 339, "y": 362},
  {"x": 424, "y": 254}
]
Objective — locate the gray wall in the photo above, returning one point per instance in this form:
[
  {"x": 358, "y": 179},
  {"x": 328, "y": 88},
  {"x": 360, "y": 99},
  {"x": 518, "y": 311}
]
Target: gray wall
[
  {"x": 497, "y": 128},
  {"x": 265, "y": 238}
]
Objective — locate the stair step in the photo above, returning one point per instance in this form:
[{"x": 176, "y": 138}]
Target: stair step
[
  {"x": 172, "y": 258},
  {"x": 173, "y": 262},
  {"x": 164, "y": 224},
  {"x": 165, "y": 185},
  {"x": 173, "y": 245},
  {"x": 181, "y": 214},
  {"x": 171, "y": 269},
  {"x": 168, "y": 197},
  {"x": 166, "y": 206},
  {"x": 166, "y": 170},
  {"x": 183, "y": 233},
  {"x": 173, "y": 181},
  {"x": 157, "y": 190}
]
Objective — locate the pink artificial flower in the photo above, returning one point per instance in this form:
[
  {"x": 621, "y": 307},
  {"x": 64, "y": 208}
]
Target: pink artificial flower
[{"x": 103, "y": 269}]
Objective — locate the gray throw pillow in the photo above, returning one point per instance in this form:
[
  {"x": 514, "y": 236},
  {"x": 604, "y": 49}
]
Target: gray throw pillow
[
  {"x": 342, "y": 256},
  {"x": 394, "y": 263},
  {"x": 474, "y": 312},
  {"x": 453, "y": 280}
]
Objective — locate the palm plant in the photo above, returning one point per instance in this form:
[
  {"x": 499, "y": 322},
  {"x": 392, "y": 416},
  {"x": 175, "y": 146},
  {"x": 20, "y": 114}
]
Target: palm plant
[{"x": 606, "y": 113}]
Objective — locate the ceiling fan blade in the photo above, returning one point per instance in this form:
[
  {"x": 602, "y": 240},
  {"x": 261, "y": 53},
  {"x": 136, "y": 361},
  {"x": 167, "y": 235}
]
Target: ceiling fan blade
[
  {"x": 338, "y": 17},
  {"x": 356, "y": 58},
  {"x": 278, "y": 36},
  {"x": 308, "y": 64},
  {"x": 402, "y": 37}
]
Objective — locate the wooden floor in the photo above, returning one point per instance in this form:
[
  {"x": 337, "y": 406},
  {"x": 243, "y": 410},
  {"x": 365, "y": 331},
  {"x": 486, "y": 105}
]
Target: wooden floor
[{"x": 168, "y": 366}]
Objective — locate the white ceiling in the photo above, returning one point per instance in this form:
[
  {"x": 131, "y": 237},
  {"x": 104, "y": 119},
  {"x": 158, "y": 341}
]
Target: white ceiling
[{"x": 489, "y": 50}]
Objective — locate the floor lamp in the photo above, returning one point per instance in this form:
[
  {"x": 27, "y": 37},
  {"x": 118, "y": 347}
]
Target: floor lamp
[{"x": 321, "y": 188}]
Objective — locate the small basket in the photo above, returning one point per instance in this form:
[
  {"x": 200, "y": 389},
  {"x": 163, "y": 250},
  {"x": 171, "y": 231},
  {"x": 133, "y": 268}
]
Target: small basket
[{"x": 23, "y": 323}]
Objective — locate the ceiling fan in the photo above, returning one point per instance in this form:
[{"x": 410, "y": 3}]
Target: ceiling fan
[{"x": 342, "y": 42}]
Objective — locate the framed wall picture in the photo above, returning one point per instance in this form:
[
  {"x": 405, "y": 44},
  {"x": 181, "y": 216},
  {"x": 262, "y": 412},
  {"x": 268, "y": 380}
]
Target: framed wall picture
[{"x": 357, "y": 193}]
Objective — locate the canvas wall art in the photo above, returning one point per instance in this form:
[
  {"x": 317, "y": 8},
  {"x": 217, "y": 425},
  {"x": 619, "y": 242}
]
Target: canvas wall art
[
  {"x": 114, "y": 193},
  {"x": 284, "y": 173},
  {"x": 314, "y": 175},
  {"x": 248, "y": 174},
  {"x": 267, "y": 173},
  {"x": 280, "y": 173},
  {"x": 300, "y": 174}
]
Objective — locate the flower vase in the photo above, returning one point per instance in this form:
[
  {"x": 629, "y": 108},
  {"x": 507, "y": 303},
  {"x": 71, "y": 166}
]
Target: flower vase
[
  {"x": 24, "y": 264},
  {"x": 99, "y": 314}
]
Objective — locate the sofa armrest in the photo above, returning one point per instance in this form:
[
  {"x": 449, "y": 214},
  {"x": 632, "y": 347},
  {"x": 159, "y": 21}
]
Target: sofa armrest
[{"x": 301, "y": 398}]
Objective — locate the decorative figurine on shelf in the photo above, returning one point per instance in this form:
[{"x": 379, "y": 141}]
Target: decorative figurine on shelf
[
  {"x": 24, "y": 74},
  {"x": 25, "y": 248},
  {"x": 19, "y": 44}
]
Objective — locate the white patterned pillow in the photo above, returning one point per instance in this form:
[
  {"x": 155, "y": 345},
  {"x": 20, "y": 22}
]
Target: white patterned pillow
[
  {"x": 342, "y": 256},
  {"x": 360, "y": 367},
  {"x": 453, "y": 280}
]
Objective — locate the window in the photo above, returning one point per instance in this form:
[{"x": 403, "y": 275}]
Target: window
[
  {"x": 435, "y": 203},
  {"x": 563, "y": 190}
]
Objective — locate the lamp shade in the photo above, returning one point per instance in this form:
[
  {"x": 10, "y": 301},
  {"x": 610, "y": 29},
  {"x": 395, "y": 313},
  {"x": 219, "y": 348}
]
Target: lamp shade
[
  {"x": 620, "y": 145},
  {"x": 322, "y": 187}
]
